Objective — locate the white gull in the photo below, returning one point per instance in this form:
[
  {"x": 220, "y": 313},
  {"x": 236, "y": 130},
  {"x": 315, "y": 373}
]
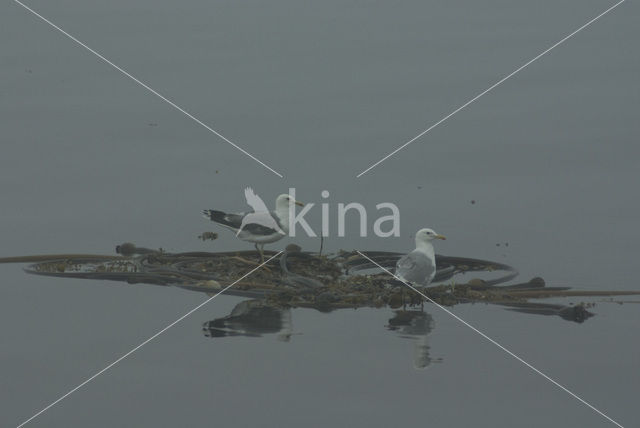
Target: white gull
[
  {"x": 419, "y": 266},
  {"x": 259, "y": 226}
]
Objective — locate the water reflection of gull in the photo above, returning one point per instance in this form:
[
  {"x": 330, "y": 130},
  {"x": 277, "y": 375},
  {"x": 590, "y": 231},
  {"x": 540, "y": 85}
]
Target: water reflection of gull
[
  {"x": 251, "y": 318},
  {"x": 255, "y": 318},
  {"x": 415, "y": 325}
]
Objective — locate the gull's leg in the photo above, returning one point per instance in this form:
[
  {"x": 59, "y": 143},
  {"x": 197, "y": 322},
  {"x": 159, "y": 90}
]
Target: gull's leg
[{"x": 259, "y": 250}]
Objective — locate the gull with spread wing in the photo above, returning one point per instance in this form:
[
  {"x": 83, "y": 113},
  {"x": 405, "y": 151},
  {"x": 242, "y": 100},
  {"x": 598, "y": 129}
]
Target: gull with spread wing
[{"x": 259, "y": 226}]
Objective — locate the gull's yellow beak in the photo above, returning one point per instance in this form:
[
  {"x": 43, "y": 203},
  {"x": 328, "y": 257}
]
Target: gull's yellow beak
[
  {"x": 440, "y": 237},
  {"x": 300, "y": 204}
]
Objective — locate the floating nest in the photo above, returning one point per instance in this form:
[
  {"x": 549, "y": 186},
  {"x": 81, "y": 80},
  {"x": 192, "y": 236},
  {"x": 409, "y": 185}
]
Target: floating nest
[{"x": 324, "y": 282}]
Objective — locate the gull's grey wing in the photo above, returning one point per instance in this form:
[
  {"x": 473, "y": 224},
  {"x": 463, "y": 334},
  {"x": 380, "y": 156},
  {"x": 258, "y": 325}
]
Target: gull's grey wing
[
  {"x": 415, "y": 267},
  {"x": 258, "y": 229},
  {"x": 261, "y": 224},
  {"x": 234, "y": 222},
  {"x": 278, "y": 221},
  {"x": 254, "y": 201}
]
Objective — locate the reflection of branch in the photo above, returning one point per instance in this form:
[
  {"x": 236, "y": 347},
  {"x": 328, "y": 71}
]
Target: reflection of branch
[{"x": 577, "y": 313}]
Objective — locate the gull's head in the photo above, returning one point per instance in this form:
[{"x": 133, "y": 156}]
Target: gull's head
[
  {"x": 285, "y": 201},
  {"x": 427, "y": 235}
]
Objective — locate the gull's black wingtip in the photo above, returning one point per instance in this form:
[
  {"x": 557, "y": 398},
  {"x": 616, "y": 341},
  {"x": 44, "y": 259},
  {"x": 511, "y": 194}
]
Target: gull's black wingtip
[{"x": 216, "y": 216}]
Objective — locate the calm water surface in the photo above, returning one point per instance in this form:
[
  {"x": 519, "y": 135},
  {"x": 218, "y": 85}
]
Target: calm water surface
[{"x": 319, "y": 91}]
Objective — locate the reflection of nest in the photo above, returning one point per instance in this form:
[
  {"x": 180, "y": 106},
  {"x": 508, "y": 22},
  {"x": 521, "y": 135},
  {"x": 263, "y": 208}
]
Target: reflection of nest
[{"x": 343, "y": 280}]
